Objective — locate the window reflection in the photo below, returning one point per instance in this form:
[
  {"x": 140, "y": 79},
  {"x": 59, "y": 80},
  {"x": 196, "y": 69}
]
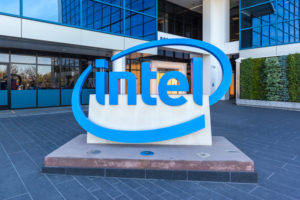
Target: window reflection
[
  {"x": 42, "y": 9},
  {"x": 4, "y": 57},
  {"x": 144, "y": 6},
  {"x": 23, "y": 77},
  {"x": 106, "y": 15},
  {"x": 69, "y": 72},
  {"x": 272, "y": 23},
  {"x": 10, "y": 6},
  {"x": 179, "y": 21},
  {"x": 23, "y": 59},
  {"x": 48, "y": 77},
  {"x": 102, "y": 17},
  {"x": 3, "y": 77},
  {"x": 69, "y": 12},
  {"x": 138, "y": 25}
]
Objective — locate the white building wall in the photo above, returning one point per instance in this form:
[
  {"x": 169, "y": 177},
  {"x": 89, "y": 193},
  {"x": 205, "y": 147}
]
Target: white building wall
[
  {"x": 280, "y": 50},
  {"x": 47, "y": 32}
]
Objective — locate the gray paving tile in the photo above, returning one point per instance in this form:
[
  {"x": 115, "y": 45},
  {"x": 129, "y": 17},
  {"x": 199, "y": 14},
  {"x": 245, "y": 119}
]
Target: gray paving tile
[
  {"x": 108, "y": 188},
  {"x": 101, "y": 195},
  {"x": 273, "y": 146},
  {"x": 282, "y": 189},
  {"x": 230, "y": 192},
  {"x": 269, "y": 194},
  {"x": 147, "y": 193},
  {"x": 21, "y": 197},
  {"x": 40, "y": 187},
  {"x": 57, "y": 179},
  {"x": 87, "y": 183},
  {"x": 23, "y": 163},
  {"x": 125, "y": 189},
  {"x": 12, "y": 187},
  {"x": 73, "y": 190}
]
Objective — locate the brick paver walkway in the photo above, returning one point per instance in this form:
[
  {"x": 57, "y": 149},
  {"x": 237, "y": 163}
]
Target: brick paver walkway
[{"x": 270, "y": 137}]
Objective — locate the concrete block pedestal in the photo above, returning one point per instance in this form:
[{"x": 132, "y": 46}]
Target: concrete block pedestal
[{"x": 222, "y": 162}]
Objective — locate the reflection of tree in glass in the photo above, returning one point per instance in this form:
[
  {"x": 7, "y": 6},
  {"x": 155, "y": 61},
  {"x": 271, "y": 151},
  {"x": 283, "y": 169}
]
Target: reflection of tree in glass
[
  {"x": 23, "y": 77},
  {"x": 48, "y": 77},
  {"x": 47, "y": 80}
]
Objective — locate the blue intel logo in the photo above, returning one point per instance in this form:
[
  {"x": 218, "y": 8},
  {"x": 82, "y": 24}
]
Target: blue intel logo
[{"x": 161, "y": 134}]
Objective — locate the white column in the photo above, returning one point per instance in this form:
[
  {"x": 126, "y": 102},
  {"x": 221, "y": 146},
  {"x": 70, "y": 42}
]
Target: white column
[
  {"x": 119, "y": 65},
  {"x": 237, "y": 75},
  {"x": 216, "y": 30}
]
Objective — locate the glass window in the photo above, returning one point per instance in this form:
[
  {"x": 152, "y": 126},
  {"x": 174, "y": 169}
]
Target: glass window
[
  {"x": 3, "y": 77},
  {"x": 10, "y": 6},
  {"x": 48, "y": 77},
  {"x": 48, "y": 86},
  {"x": 134, "y": 24},
  {"x": 23, "y": 86},
  {"x": 45, "y": 60},
  {"x": 23, "y": 59},
  {"x": 138, "y": 25},
  {"x": 177, "y": 20},
  {"x": 69, "y": 12},
  {"x": 4, "y": 57},
  {"x": 144, "y": 6},
  {"x": 3, "y": 85},
  {"x": 48, "y": 10},
  {"x": 102, "y": 17},
  {"x": 115, "y": 2},
  {"x": 268, "y": 23},
  {"x": 23, "y": 77},
  {"x": 69, "y": 72},
  {"x": 149, "y": 28}
]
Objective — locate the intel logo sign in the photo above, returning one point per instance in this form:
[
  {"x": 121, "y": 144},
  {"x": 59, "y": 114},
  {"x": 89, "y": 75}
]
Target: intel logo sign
[{"x": 155, "y": 134}]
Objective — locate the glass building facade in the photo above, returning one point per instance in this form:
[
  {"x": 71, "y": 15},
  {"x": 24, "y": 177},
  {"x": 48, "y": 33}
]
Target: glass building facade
[
  {"x": 131, "y": 18},
  {"x": 38, "y": 79},
  {"x": 180, "y": 21},
  {"x": 266, "y": 23}
]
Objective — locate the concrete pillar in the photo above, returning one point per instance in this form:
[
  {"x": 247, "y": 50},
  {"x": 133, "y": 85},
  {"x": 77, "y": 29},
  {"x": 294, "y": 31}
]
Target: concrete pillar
[
  {"x": 119, "y": 65},
  {"x": 237, "y": 75},
  {"x": 216, "y": 30}
]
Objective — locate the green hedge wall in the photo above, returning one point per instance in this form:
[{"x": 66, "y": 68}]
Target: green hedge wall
[
  {"x": 293, "y": 75},
  {"x": 271, "y": 79},
  {"x": 251, "y": 86}
]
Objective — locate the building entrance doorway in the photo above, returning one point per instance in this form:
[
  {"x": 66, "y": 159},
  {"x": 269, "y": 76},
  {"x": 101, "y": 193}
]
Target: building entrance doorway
[
  {"x": 162, "y": 67},
  {"x": 173, "y": 81},
  {"x": 232, "y": 89}
]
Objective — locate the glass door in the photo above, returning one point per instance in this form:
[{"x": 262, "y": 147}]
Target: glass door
[{"x": 3, "y": 86}]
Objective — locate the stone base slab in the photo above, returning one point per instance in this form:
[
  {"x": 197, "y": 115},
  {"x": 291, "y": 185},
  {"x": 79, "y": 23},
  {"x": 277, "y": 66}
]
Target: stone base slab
[
  {"x": 220, "y": 162},
  {"x": 269, "y": 104}
]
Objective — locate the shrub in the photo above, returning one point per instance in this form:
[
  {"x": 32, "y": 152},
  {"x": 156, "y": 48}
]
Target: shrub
[
  {"x": 250, "y": 79},
  {"x": 285, "y": 90},
  {"x": 293, "y": 74},
  {"x": 256, "y": 86},
  {"x": 246, "y": 78},
  {"x": 272, "y": 79}
]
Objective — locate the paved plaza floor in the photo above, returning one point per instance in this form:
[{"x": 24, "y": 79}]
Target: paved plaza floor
[{"x": 270, "y": 137}]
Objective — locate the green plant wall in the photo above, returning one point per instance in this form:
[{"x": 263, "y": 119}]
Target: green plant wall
[
  {"x": 293, "y": 76},
  {"x": 271, "y": 79},
  {"x": 246, "y": 78},
  {"x": 251, "y": 87}
]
